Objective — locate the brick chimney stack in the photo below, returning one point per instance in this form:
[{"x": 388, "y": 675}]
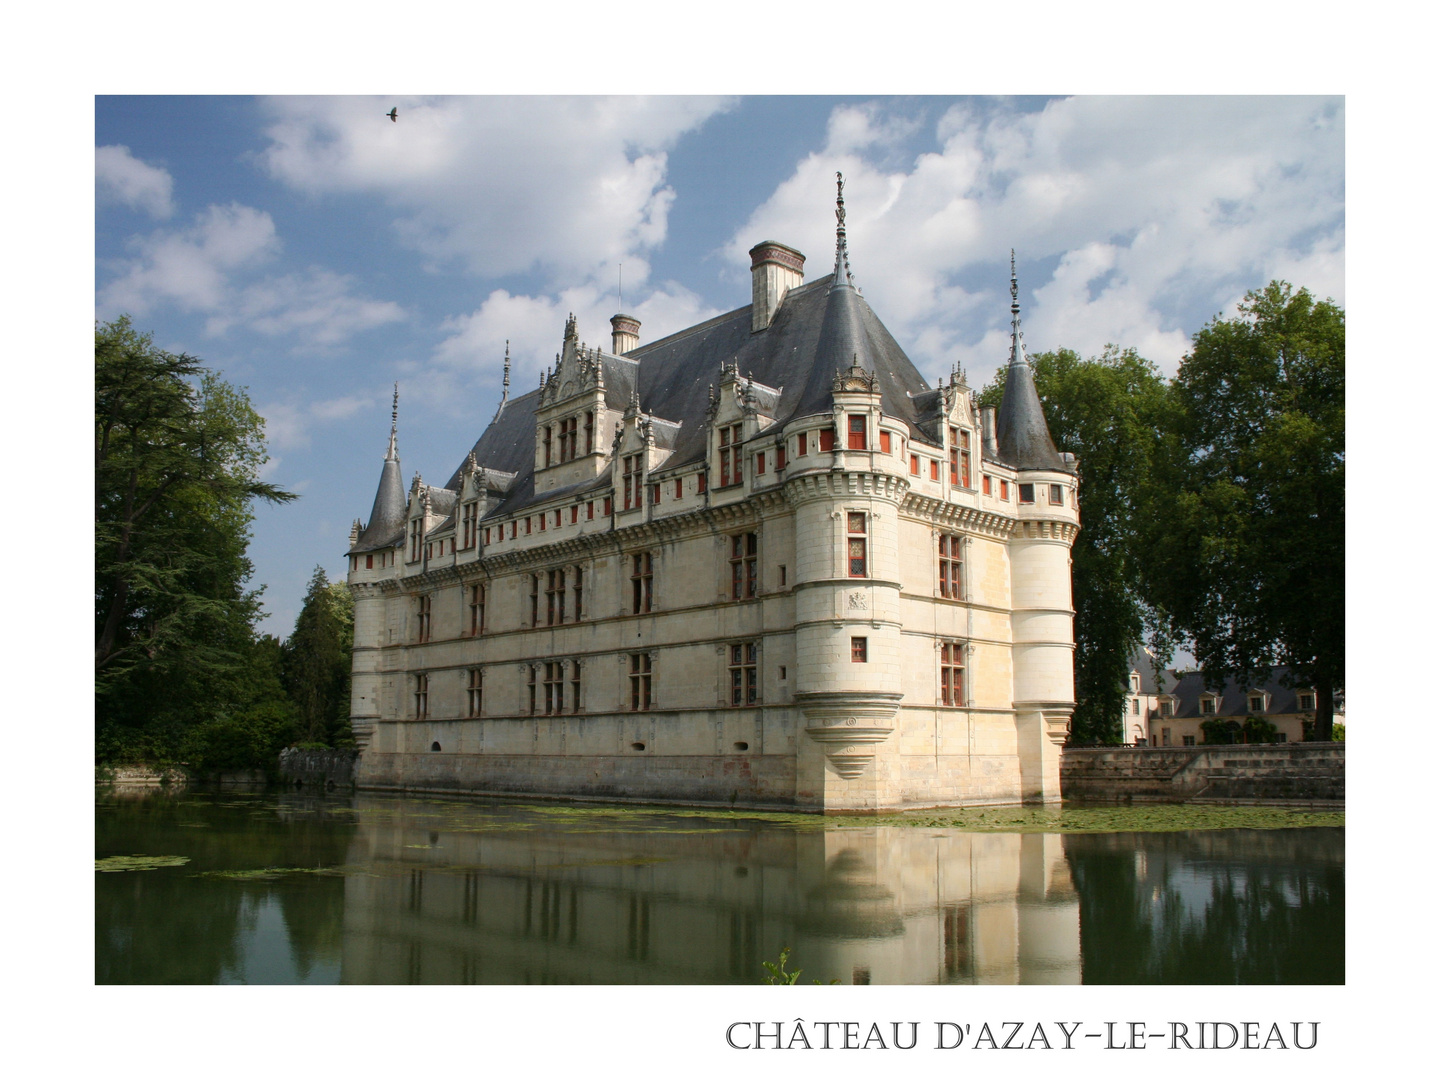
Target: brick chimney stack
[
  {"x": 774, "y": 270},
  {"x": 624, "y": 333}
]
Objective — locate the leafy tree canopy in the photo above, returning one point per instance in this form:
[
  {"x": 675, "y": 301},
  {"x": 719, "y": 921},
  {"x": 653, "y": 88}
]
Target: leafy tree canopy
[
  {"x": 178, "y": 454},
  {"x": 316, "y": 661},
  {"x": 1246, "y": 538}
]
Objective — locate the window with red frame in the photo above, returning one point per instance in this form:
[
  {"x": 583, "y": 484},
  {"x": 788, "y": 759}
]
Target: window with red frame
[
  {"x": 856, "y": 433},
  {"x": 952, "y": 673},
  {"x": 855, "y": 527},
  {"x": 859, "y": 650},
  {"x": 642, "y": 582},
  {"x": 744, "y": 551},
  {"x": 827, "y": 440},
  {"x": 885, "y": 442},
  {"x": 732, "y": 466},
  {"x": 950, "y": 568}
]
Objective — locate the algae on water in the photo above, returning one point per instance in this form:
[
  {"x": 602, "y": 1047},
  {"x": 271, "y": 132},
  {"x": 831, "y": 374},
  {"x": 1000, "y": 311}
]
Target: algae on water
[{"x": 115, "y": 863}]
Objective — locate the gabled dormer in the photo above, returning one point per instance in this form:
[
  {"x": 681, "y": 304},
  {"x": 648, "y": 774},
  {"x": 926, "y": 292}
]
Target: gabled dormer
[
  {"x": 481, "y": 490},
  {"x": 1257, "y": 701},
  {"x": 574, "y": 420},
  {"x": 740, "y": 408},
  {"x": 642, "y": 443}
]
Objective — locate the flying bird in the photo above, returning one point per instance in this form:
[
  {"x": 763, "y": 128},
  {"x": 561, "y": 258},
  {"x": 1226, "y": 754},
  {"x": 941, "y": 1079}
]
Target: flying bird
[{"x": 391, "y": 114}]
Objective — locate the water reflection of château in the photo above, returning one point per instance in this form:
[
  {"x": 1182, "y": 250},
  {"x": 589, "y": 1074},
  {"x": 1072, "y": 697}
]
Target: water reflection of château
[{"x": 706, "y": 903}]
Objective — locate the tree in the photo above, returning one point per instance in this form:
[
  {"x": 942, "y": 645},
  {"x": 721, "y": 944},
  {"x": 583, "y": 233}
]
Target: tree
[
  {"x": 1106, "y": 411},
  {"x": 177, "y": 459},
  {"x": 315, "y": 661},
  {"x": 1246, "y": 540}
]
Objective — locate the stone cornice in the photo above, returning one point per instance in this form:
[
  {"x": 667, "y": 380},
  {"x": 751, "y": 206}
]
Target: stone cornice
[
  {"x": 1061, "y": 531},
  {"x": 958, "y": 518},
  {"x": 844, "y": 484}
]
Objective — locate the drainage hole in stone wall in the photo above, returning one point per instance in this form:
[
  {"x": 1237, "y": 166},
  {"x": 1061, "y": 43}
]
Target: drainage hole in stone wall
[
  {"x": 637, "y": 746},
  {"x": 742, "y": 746},
  {"x": 434, "y": 746}
]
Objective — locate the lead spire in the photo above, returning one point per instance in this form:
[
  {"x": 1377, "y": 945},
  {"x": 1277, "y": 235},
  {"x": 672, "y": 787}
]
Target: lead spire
[
  {"x": 842, "y": 253},
  {"x": 1017, "y": 342},
  {"x": 393, "y": 454},
  {"x": 505, "y": 386}
]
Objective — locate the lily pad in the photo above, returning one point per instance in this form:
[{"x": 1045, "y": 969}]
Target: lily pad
[{"x": 115, "y": 863}]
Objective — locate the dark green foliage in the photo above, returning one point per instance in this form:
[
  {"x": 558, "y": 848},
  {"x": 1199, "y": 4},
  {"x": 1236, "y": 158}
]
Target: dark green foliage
[
  {"x": 177, "y": 460},
  {"x": 316, "y": 662},
  {"x": 1246, "y": 548},
  {"x": 1107, "y": 412}
]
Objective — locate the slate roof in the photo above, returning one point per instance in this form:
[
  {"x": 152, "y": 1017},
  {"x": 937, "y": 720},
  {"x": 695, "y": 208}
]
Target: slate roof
[
  {"x": 820, "y": 328},
  {"x": 1234, "y": 697},
  {"x": 386, "y": 524},
  {"x": 1021, "y": 433}
]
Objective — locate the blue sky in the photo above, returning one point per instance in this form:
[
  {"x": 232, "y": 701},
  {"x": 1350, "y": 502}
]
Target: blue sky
[{"x": 312, "y": 250}]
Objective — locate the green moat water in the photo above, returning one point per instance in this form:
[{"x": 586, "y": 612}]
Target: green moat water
[{"x": 195, "y": 887}]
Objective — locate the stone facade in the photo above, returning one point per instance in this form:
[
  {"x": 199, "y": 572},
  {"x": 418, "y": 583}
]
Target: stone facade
[{"x": 817, "y": 584}]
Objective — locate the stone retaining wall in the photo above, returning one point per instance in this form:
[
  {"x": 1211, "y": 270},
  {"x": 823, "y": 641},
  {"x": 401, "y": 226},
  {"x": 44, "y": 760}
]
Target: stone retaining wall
[
  {"x": 1310, "y": 773},
  {"x": 326, "y": 769}
]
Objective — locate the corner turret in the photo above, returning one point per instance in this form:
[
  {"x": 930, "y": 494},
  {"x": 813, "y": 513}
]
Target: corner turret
[
  {"x": 387, "y": 515},
  {"x": 1021, "y": 434}
]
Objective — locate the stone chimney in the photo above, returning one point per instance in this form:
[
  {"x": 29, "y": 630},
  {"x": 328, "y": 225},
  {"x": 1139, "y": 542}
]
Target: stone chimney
[
  {"x": 774, "y": 270},
  {"x": 624, "y": 333},
  {"x": 990, "y": 450}
]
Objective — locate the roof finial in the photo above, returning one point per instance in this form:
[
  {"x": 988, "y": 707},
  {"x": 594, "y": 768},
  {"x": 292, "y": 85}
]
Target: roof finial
[
  {"x": 505, "y": 385},
  {"x": 392, "y": 453},
  {"x": 842, "y": 253},
  {"x": 1017, "y": 344}
]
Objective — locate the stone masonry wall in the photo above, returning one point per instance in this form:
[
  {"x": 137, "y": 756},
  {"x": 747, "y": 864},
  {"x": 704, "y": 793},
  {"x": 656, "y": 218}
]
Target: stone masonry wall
[
  {"x": 1278, "y": 772},
  {"x": 328, "y": 769}
]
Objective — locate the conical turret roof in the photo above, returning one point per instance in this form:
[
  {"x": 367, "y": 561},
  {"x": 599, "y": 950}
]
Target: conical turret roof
[
  {"x": 1021, "y": 433},
  {"x": 386, "y": 525}
]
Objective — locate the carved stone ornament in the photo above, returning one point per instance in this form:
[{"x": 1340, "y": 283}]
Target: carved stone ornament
[{"x": 858, "y": 601}]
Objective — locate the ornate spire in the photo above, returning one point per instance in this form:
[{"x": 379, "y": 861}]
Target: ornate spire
[
  {"x": 842, "y": 253},
  {"x": 393, "y": 453},
  {"x": 1021, "y": 434},
  {"x": 1017, "y": 343},
  {"x": 505, "y": 385}
]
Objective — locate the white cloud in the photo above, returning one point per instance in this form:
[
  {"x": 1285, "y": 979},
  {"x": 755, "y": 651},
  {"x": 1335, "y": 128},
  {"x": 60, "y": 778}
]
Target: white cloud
[
  {"x": 196, "y": 269},
  {"x": 1150, "y": 208},
  {"x": 289, "y": 425},
  {"x": 471, "y": 356},
  {"x": 568, "y": 186},
  {"x": 121, "y": 178},
  {"x": 191, "y": 267},
  {"x": 312, "y": 309}
]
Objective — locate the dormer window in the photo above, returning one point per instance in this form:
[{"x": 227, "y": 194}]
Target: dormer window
[
  {"x": 1307, "y": 702},
  {"x": 1167, "y": 709},
  {"x": 959, "y": 457},
  {"x": 857, "y": 432},
  {"x": 1258, "y": 702},
  {"x": 1134, "y": 683},
  {"x": 732, "y": 466},
  {"x": 631, "y": 479},
  {"x": 1207, "y": 706}
]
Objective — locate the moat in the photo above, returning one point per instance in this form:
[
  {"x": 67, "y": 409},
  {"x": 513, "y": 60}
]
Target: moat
[{"x": 290, "y": 888}]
